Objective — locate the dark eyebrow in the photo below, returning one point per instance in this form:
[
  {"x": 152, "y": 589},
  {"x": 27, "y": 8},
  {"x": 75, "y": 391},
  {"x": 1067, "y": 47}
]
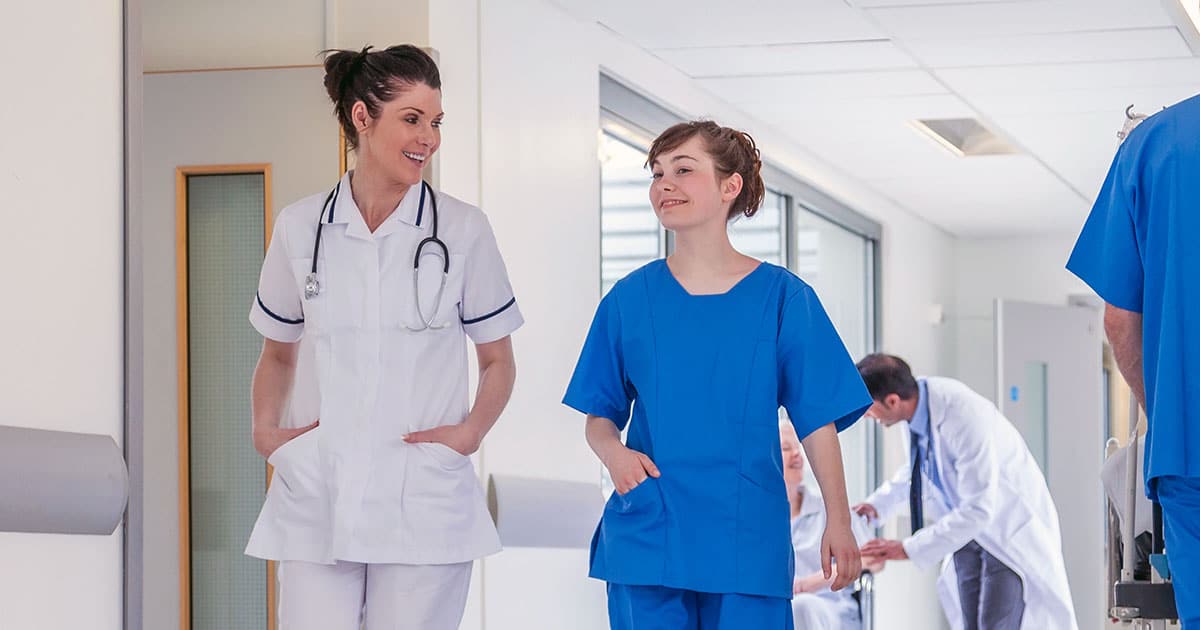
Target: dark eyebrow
[
  {"x": 675, "y": 159},
  {"x": 422, "y": 112}
]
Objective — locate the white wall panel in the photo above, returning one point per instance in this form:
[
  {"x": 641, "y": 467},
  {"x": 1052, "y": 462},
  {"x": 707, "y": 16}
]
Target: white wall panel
[{"x": 61, "y": 321}]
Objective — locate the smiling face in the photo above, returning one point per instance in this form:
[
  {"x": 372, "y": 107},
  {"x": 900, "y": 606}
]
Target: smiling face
[
  {"x": 687, "y": 190},
  {"x": 407, "y": 132}
]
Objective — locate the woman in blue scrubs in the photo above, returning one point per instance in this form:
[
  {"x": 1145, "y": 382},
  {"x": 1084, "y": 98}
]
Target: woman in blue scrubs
[{"x": 695, "y": 354}]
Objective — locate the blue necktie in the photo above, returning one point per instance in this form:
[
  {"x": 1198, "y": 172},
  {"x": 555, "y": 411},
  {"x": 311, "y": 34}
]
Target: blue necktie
[{"x": 916, "y": 507}]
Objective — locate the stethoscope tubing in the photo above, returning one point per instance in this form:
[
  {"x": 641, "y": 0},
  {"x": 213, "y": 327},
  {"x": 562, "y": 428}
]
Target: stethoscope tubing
[{"x": 312, "y": 286}]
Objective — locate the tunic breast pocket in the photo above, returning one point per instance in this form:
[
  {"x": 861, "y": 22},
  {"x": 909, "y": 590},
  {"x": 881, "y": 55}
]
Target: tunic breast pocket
[{"x": 429, "y": 298}]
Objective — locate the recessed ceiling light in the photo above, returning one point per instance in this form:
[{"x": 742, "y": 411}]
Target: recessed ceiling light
[{"x": 964, "y": 137}]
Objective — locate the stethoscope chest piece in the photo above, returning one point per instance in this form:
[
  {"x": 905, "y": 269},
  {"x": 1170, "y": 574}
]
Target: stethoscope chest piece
[{"x": 312, "y": 286}]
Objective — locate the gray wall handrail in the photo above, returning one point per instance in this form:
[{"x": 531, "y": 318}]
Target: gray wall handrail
[{"x": 57, "y": 482}]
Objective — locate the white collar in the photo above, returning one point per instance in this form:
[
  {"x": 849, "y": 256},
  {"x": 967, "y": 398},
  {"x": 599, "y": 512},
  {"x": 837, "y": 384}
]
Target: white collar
[{"x": 409, "y": 210}]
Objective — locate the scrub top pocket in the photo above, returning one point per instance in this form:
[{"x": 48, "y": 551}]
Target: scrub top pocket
[
  {"x": 633, "y": 529},
  {"x": 764, "y": 535}
]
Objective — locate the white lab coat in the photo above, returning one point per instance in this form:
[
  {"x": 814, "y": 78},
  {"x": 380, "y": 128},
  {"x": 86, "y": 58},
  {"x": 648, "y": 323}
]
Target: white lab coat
[
  {"x": 997, "y": 497},
  {"x": 352, "y": 489}
]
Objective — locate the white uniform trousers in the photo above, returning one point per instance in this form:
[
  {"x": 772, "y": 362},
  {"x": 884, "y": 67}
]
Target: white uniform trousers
[{"x": 387, "y": 596}]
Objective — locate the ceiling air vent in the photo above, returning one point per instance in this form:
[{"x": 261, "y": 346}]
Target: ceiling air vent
[{"x": 965, "y": 136}]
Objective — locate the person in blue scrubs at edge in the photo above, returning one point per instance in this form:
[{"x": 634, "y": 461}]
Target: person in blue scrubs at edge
[
  {"x": 1138, "y": 251},
  {"x": 706, "y": 346}
]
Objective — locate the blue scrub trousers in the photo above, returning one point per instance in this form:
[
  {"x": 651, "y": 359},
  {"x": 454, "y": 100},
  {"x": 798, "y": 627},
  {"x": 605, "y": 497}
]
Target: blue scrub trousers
[
  {"x": 663, "y": 608},
  {"x": 1180, "y": 500}
]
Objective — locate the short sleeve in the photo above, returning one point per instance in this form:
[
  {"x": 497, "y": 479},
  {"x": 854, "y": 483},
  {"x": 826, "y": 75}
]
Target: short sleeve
[
  {"x": 489, "y": 308},
  {"x": 599, "y": 386},
  {"x": 818, "y": 382},
  {"x": 1107, "y": 256},
  {"x": 277, "y": 312}
]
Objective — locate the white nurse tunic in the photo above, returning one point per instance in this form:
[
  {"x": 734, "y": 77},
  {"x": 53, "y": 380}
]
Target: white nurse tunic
[{"x": 352, "y": 489}]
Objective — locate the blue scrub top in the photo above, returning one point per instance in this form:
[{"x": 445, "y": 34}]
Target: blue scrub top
[
  {"x": 705, "y": 376},
  {"x": 1138, "y": 251}
]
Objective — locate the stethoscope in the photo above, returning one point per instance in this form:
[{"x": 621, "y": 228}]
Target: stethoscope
[{"x": 312, "y": 286}]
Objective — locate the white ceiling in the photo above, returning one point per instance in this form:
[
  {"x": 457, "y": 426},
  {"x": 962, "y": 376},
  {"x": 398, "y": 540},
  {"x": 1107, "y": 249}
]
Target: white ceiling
[{"x": 845, "y": 78}]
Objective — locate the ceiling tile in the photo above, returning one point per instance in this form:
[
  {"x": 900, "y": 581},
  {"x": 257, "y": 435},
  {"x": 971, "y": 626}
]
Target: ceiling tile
[
  {"x": 710, "y": 23},
  {"x": 1109, "y": 101},
  {"x": 871, "y": 150},
  {"x": 824, "y": 86},
  {"x": 781, "y": 59},
  {"x": 1079, "y": 147},
  {"x": 1000, "y": 195},
  {"x": 1123, "y": 44},
  {"x": 1019, "y": 18},
  {"x": 1051, "y": 77},
  {"x": 895, "y": 109},
  {"x": 869, "y": 4}
]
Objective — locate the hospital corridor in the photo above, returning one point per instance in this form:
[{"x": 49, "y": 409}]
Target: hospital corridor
[{"x": 600, "y": 315}]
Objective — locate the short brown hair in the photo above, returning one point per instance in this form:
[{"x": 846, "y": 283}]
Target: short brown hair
[
  {"x": 886, "y": 374},
  {"x": 732, "y": 151}
]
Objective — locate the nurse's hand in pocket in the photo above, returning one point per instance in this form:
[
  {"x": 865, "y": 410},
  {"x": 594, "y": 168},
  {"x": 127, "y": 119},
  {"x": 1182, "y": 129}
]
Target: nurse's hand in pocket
[
  {"x": 460, "y": 437},
  {"x": 268, "y": 440},
  {"x": 838, "y": 544},
  {"x": 629, "y": 468}
]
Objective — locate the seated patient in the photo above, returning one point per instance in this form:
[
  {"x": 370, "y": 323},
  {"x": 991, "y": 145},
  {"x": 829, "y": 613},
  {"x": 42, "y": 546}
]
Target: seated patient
[{"x": 814, "y": 606}]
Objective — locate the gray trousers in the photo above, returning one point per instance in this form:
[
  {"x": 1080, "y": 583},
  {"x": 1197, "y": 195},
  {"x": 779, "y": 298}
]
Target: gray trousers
[{"x": 992, "y": 595}]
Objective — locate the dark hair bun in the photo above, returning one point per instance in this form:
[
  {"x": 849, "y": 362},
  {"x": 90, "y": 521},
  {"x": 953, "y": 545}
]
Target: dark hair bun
[{"x": 374, "y": 77}]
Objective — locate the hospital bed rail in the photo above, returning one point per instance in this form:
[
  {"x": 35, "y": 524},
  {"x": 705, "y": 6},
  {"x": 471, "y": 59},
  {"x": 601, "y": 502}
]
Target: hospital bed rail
[{"x": 1143, "y": 601}]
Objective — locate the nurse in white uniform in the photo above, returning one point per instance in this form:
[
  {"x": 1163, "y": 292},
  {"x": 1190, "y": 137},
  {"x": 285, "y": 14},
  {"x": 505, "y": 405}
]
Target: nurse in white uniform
[{"x": 375, "y": 512}]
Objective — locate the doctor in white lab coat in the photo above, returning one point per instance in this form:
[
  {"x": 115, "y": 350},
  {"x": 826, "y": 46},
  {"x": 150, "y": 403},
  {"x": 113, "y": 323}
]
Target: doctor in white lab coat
[{"x": 998, "y": 537}]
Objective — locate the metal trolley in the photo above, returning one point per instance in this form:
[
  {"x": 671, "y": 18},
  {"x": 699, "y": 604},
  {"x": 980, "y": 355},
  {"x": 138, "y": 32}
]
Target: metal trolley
[{"x": 1142, "y": 595}]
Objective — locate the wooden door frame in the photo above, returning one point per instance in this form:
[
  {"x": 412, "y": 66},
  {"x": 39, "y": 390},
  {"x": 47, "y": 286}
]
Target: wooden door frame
[{"x": 182, "y": 338}]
